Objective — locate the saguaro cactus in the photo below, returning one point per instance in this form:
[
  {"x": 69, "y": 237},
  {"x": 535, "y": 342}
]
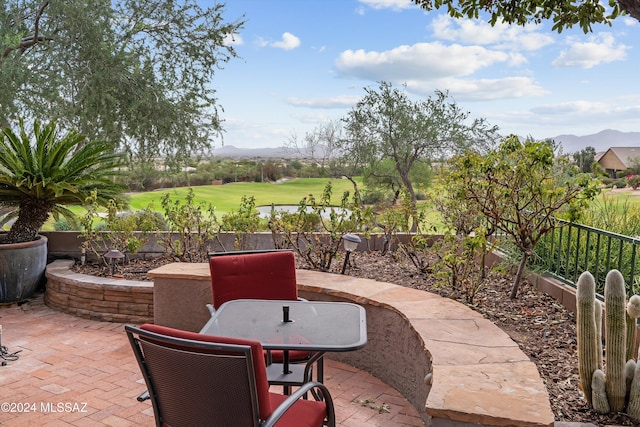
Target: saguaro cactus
[
  {"x": 615, "y": 339},
  {"x": 589, "y": 348}
]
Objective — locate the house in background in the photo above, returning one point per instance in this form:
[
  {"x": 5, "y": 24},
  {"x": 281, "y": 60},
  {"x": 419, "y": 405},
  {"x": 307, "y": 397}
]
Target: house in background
[{"x": 618, "y": 159}]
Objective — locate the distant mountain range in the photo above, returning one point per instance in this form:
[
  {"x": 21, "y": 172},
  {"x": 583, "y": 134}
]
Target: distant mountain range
[
  {"x": 601, "y": 141},
  {"x": 277, "y": 152}
]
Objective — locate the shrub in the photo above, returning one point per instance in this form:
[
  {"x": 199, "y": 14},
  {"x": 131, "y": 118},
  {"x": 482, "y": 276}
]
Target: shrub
[
  {"x": 126, "y": 232},
  {"x": 372, "y": 196},
  {"x": 457, "y": 267},
  {"x": 634, "y": 181},
  {"x": 300, "y": 230},
  {"x": 243, "y": 222},
  {"x": 62, "y": 225},
  {"x": 195, "y": 225}
]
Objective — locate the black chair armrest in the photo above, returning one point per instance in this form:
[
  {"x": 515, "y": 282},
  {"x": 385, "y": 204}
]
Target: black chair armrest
[{"x": 298, "y": 394}]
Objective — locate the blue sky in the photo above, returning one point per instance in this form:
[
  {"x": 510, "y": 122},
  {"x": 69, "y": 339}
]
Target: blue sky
[{"x": 305, "y": 62}]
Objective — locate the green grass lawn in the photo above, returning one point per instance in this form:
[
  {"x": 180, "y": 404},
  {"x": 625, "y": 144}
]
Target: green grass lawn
[
  {"x": 228, "y": 197},
  {"x": 620, "y": 198}
]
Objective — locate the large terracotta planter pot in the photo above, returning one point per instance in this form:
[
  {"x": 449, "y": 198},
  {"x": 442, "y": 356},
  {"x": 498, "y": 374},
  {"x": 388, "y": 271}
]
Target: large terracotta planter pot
[{"x": 22, "y": 267}]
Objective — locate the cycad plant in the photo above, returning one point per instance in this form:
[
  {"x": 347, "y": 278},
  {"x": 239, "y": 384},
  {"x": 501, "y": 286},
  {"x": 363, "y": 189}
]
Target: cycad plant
[{"x": 42, "y": 172}]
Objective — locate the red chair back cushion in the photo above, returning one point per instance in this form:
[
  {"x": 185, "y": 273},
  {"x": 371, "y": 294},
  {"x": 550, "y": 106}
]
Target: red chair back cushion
[
  {"x": 260, "y": 370},
  {"x": 269, "y": 275}
]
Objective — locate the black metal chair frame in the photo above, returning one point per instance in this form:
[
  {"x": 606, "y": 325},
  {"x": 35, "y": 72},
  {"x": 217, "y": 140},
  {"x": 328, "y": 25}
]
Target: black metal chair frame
[{"x": 183, "y": 384}]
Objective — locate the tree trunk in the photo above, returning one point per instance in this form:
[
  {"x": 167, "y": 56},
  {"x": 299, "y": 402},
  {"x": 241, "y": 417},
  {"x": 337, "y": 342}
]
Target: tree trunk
[
  {"x": 632, "y": 7},
  {"x": 32, "y": 214},
  {"x": 516, "y": 281}
]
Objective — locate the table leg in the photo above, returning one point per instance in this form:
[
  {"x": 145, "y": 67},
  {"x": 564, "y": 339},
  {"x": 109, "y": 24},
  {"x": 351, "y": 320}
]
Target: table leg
[{"x": 286, "y": 370}]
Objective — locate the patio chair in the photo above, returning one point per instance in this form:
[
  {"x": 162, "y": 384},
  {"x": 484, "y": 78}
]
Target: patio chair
[
  {"x": 203, "y": 380},
  {"x": 269, "y": 274},
  {"x": 252, "y": 275}
]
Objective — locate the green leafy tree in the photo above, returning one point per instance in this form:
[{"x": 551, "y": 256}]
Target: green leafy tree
[
  {"x": 584, "y": 159},
  {"x": 386, "y": 125},
  {"x": 137, "y": 73},
  {"x": 43, "y": 173},
  {"x": 519, "y": 187},
  {"x": 564, "y": 14}
]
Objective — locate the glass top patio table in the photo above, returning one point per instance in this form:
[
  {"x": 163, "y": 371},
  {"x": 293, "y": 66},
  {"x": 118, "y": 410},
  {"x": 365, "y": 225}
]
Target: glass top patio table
[{"x": 310, "y": 325}]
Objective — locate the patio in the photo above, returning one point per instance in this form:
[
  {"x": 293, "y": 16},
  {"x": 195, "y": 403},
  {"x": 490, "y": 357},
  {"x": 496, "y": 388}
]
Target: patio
[
  {"x": 78, "y": 372},
  {"x": 436, "y": 346}
]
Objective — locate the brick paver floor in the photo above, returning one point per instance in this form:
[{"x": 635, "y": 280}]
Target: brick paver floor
[{"x": 78, "y": 372}]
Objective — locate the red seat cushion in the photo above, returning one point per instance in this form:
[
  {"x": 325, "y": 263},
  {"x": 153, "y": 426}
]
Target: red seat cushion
[
  {"x": 268, "y": 275},
  {"x": 303, "y": 413},
  {"x": 277, "y": 356}
]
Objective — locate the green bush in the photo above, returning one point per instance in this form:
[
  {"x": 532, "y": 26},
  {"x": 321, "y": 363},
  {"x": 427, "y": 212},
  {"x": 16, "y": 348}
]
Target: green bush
[
  {"x": 634, "y": 181},
  {"x": 243, "y": 222},
  {"x": 62, "y": 225},
  {"x": 373, "y": 196},
  {"x": 300, "y": 230}
]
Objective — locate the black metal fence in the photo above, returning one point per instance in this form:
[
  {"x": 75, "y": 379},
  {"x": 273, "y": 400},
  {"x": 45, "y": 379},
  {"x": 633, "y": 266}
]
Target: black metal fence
[{"x": 574, "y": 248}]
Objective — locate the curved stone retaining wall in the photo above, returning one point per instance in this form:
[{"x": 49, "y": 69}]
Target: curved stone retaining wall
[
  {"x": 456, "y": 367},
  {"x": 98, "y": 298}
]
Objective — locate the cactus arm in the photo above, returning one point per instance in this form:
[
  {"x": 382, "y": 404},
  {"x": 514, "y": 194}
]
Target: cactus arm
[
  {"x": 588, "y": 346},
  {"x": 633, "y": 408},
  {"x": 598, "y": 315},
  {"x": 600, "y": 402},
  {"x": 630, "y": 334},
  {"x": 629, "y": 373},
  {"x": 633, "y": 312},
  {"x": 616, "y": 342}
]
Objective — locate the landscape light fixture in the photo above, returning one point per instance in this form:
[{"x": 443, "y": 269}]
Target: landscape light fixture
[
  {"x": 350, "y": 242},
  {"x": 112, "y": 259}
]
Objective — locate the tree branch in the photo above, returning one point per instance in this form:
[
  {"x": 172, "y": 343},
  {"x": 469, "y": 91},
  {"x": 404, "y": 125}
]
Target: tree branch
[
  {"x": 632, "y": 7},
  {"x": 30, "y": 41}
]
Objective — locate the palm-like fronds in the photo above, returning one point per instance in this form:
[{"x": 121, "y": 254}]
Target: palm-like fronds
[{"x": 42, "y": 173}]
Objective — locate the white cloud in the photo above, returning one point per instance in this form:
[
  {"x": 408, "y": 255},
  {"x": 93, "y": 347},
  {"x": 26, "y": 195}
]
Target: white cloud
[
  {"x": 343, "y": 101},
  {"x": 421, "y": 61},
  {"x": 389, "y": 4},
  {"x": 476, "y": 32},
  {"x": 288, "y": 42},
  {"x": 233, "y": 40},
  {"x": 480, "y": 89},
  {"x": 598, "y": 49},
  {"x": 588, "y": 109}
]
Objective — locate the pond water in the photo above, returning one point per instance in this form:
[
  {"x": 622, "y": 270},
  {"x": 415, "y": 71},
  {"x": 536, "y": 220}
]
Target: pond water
[{"x": 265, "y": 210}]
